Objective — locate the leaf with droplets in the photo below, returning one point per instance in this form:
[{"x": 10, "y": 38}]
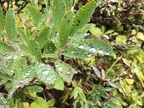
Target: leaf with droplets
[
  {"x": 45, "y": 73},
  {"x": 65, "y": 71},
  {"x": 4, "y": 48},
  {"x": 88, "y": 48},
  {"x": 3, "y": 102},
  {"x": 10, "y": 25},
  {"x": 22, "y": 78},
  {"x": 83, "y": 15}
]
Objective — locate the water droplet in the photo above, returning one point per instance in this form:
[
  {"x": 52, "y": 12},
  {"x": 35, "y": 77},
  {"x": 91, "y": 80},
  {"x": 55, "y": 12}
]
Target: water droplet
[
  {"x": 93, "y": 50},
  {"x": 90, "y": 55},
  {"x": 60, "y": 69},
  {"x": 15, "y": 57},
  {"x": 11, "y": 70},
  {"x": 81, "y": 46},
  {"x": 100, "y": 52},
  {"x": 21, "y": 83},
  {"x": 46, "y": 72},
  {"x": 90, "y": 45},
  {"x": 24, "y": 76},
  {"x": 27, "y": 74}
]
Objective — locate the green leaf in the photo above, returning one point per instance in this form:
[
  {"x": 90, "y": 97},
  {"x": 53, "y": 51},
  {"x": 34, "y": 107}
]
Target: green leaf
[
  {"x": 39, "y": 103},
  {"x": 1, "y": 19},
  {"x": 3, "y": 102},
  {"x": 64, "y": 32},
  {"x": 4, "y": 48},
  {"x": 83, "y": 15},
  {"x": 50, "y": 47},
  {"x": 51, "y": 102},
  {"x": 22, "y": 34},
  {"x": 68, "y": 4},
  {"x": 45, "y": 73},
  {"x": 35, "y": 14},
  {"x": 43, "y": 36},
  {"x": 42, "y": 19},
  {"x": 65, "y": 71},
  {"x": 34, "y": 49},
  {"x": 58, "y": 11},
  {"x": 88, "y": 48},
  {"x": 59, "y": 84},
  {"x": 10, "y": 25}
]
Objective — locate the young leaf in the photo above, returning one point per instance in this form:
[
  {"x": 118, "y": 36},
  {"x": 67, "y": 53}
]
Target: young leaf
[
  {"x": 1, "y": 19},
  {"x": 88, "y": 48},
  {"x": 34, "y": 49},
  {"x": 10, "y": 25},
  {"x": 35, "y": 14},
  {"x": 83, "y": 15},
  {"x": 4, "y": 48},
  {"x": 39, "y": 103},
  {"x": 64, "y": 32},
  {"x": 65, "y": 71},
  {"x": 59, "y": 84}
]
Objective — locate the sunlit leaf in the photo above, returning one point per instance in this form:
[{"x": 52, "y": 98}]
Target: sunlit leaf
[
  {"x": 39, "y": 103},
  {"x": 121, "y": 39},
  {"x": 140, "y": 36},
  {"x": 129, "y": 81}
]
